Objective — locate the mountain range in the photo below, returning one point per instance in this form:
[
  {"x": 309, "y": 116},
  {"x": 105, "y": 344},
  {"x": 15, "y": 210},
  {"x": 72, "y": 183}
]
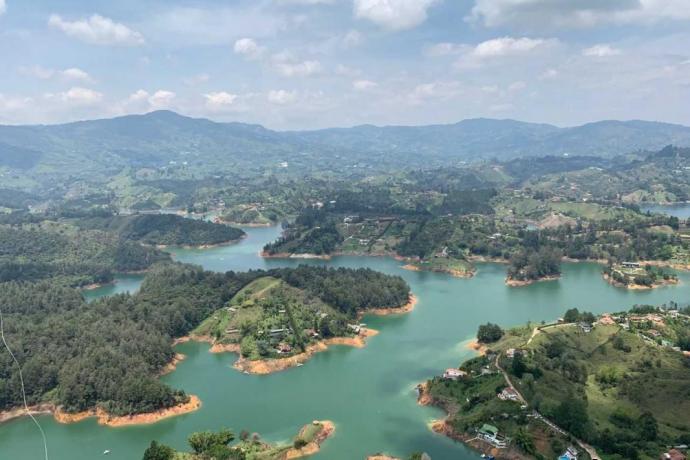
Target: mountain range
[{"x": 163, "y": 138}]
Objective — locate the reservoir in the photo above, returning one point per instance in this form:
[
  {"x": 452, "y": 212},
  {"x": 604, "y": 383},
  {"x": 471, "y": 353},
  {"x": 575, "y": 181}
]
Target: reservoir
[{"x": 368, "y": 393}]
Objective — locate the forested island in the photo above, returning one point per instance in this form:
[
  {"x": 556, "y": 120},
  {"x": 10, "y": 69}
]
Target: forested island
[
  {"x": 616, "y": 384},
  {"x": 103, "y": 358},
  {"x": 279, "y": 321},
  {"x": 632, "y": 275}
]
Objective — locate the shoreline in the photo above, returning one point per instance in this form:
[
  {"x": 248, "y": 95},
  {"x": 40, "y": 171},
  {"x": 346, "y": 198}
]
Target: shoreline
[
  {"x": 270, "y": 366},
  {"x": 287, "y": 255},
  {"x": 201, "y": 246},
  {"x": 386, "y": 311},
  {"x": 519, "y": 283},
  {"x": 311, "y": 448},
  {"x": 172, "y": 365},
  {"x": 449, "y": 271},
  {"x": 273, "y": 365},
  {"x": 103, "y": 417},
  {"x": 640, "y": 287},
  {"x": 480, "y": 348}
]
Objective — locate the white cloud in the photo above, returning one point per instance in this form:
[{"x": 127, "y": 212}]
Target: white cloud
[
  {"x": 364, "y": 85},
  {"x": 601, "y": 50},
  {"x": 3, "y": 6},
  {"x": 71, "y": 74},
  {"x": 434, "y": 90},
  {"x": 97, "y": 30},
  {"x": 220, "y": 100},
  {"x": 505, "y": 46},
  {"x": 248, "y": 48},
  {"x": 161, "y": 99},
  {"x": 444, "y": 49},
  {"x": 288, "y": 66},
  {"x": 138, "y": 96},
  {"x": 74, "y": 73},
  {"x": 281, "y": 97},
  {"x": 393, "y": 14},
  {"x": 77, "y": 96},
  {"x": 571, "y": 13}
]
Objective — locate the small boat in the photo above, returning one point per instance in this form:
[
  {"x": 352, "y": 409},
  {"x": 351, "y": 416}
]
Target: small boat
[
  {"x": 300, "y": 364},
  {"x": 106, "y": 452}
]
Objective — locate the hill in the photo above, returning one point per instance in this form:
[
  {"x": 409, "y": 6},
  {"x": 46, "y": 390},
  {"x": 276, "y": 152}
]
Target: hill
[
  {"x": 619, "y": 384},
  {"x": 193, "y": 147}
]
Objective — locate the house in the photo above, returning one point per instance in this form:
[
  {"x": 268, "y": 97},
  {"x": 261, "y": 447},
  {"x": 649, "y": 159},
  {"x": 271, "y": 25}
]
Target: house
[
  {"x": 586, "y": 327},
  {"x": 569, "y": 454},
  {"x": 654, "y": 333},
  {"x": 673, "y": 454},
  {"x": 510, "y": 353},
  {"x": 354, "y": 328},
  {"x": 283, "y": 348},
  {"x": 454, "y": 374},
  {"x": 630, "y": 265},
  {"x": 490, "y": 434},
  {"x": 508, "y": 394}
]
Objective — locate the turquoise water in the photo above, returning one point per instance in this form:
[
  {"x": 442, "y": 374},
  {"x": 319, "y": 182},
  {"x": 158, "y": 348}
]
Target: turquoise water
[{"x": 368, "y": 392}]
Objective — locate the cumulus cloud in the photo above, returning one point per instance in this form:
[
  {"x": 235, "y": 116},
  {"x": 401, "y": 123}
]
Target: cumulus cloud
[
  {"x": 97, "y": 30},
  {"x": 568, "y": 13},
  {"x": 281, "y": 97},
  {"x": 71, "y": 74},
  {"x": 161, "y": 99},
  {"x": 248, "y": 47},
  {"x": 393, "y": 14},
  {"x": 286, "y": 65},
  {"x": 220, "y": 100},
  {"x": 77, "y": 96},
  {"x": 601, "y": 50},
  {"x": 364, "y": 85},
  {"x": 505, "y": 46}
]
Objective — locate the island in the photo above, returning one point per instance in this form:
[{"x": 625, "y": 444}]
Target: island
[
  {"x": 217, "y": 445},
  {"x": 104, "y": 358},
  {"x": 635, "y": 275},
  {"x": 279, "y": 321},
  {"x": 616, "y": 384},
  {"x": 526, "y": 268}
]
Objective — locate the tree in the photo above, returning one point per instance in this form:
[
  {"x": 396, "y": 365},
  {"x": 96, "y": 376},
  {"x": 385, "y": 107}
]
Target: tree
[
  {"x": 572, "y": 415},
  {"x": 158, "y": 452},
  {"x": 524, "y": 441},
  {"x": 518, "y": 366},
  {"x": 205, "y": 441},
  {"x": 648, "y": 427},
  {"x": 489, "y": 332}
]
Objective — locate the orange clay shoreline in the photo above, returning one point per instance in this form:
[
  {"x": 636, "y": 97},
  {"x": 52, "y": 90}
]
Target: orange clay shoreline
[
  {"x": 103, "y": 417},
  {"x": 519, "y": 283},
  {"x": 270, "y": 366},
  {"x": 314, "y": 446}
]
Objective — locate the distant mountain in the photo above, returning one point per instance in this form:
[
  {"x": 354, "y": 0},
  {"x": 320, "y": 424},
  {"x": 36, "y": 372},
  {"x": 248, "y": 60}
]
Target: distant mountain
[{"x": 164, "y": 139}]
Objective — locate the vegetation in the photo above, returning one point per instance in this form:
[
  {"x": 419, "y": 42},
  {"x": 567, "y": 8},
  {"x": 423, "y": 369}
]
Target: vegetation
[
  {"x": 107, "y": 353},
  {"x": 613, "y": 387},
  {"x": 210, "y": 445},
  {"x": 67, "y": 255},
  {"x": 164, "y": 229},
  {"x": 489, "y": 332}
]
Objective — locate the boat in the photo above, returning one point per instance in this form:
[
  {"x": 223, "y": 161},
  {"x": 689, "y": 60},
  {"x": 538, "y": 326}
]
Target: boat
[{"x": 106, "y": 452}]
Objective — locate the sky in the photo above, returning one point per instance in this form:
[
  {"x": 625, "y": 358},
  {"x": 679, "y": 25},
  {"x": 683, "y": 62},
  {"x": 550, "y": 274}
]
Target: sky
[{"x": 308, "y": 64}]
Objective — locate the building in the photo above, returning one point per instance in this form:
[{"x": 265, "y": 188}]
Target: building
[
  {"x": 490, "y": 434},
  {"x": 569, "y": 454},
  {"x": 509, "y": 394},
  {"x": 454, "y": 374},
  {"x": 586, "y": 327},
  {"x": 283, "y": 348}
]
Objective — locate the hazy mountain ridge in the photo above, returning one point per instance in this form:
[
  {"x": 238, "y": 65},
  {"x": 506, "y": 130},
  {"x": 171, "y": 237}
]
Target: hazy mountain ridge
[{"x": 159, "y": 138}]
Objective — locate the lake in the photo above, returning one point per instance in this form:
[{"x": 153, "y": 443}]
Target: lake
[{"x": 368, "y": 393}]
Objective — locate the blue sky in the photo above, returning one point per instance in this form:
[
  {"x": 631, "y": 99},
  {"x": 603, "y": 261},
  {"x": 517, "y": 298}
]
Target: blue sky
[{"x": 303, "y": 64}]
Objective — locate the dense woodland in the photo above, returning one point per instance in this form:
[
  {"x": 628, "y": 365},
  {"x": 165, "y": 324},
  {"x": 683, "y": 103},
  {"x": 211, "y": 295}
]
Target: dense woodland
[
  {"x": 164, "y": 229},
  {"x": 107, "y": 353},
  {"x": 76, "y": 258}
]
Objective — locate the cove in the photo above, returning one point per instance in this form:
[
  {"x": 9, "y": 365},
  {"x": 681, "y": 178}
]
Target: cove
[{"x": 368, "y": 392}]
